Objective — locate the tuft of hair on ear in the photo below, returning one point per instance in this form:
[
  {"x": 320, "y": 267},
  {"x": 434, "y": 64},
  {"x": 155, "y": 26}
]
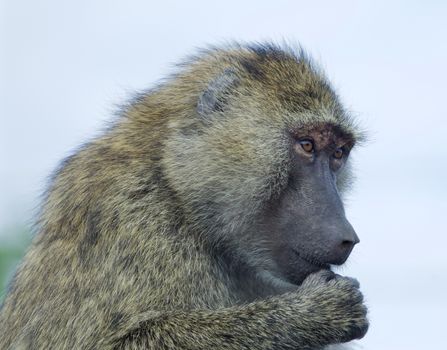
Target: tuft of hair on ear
[{"x": 215, "y": 96}]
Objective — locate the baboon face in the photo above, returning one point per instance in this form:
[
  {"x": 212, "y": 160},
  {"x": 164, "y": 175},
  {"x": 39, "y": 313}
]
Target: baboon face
[
  {"x": 259, "y": 165},
  {"x": 306, "y": 228}
]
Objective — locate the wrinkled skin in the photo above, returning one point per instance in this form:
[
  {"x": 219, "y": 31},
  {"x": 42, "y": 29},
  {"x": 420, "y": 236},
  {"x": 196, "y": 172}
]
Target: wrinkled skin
[{"x": 306, "y": 228}]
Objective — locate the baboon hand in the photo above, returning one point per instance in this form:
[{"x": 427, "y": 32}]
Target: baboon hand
[{"x": 338, "y": 301}]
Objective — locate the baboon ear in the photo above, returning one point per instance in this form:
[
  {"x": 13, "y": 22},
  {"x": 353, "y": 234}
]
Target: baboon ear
[{"x": 215, "y": 96}]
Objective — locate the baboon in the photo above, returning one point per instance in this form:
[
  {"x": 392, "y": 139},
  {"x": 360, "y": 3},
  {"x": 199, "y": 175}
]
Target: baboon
[{"x": 206, "y": 217}]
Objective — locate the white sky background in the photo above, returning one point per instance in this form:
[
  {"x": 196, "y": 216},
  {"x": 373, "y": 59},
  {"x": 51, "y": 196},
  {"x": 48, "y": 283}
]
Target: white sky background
[{"x": 65, "y": 65}]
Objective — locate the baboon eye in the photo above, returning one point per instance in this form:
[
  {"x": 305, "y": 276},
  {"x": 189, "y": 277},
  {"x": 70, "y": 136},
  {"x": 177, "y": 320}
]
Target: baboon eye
[
  {"x": 307, "y": 145},
  {"x": 338, "y": 154}
]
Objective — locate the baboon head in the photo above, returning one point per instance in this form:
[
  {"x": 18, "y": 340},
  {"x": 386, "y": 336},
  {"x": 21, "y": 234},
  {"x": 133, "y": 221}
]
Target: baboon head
[{"x": 260, "y": 158}]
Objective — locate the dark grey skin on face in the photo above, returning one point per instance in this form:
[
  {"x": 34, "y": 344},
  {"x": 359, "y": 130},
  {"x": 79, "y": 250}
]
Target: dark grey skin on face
[
  {"x": 303, "y": 231},
  {"x": 307, "y": 226}
]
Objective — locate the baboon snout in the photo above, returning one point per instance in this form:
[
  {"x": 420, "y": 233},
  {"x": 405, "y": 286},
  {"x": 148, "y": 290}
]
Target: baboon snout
[{"x": 343, "y": 238}]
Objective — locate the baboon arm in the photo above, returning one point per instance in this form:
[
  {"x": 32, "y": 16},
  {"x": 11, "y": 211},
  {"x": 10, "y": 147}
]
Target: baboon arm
[{"x": 270, "y": 324}]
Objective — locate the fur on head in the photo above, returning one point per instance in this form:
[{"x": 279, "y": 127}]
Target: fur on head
[{"x": 263, "y": 91}]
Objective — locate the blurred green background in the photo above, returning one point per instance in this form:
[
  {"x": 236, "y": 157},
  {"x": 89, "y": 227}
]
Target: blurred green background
[{"x": 13, "y": 245}]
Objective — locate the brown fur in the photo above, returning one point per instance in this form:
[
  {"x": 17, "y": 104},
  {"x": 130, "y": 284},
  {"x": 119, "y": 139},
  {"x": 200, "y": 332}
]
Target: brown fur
[{"x": 128, "y": 242}]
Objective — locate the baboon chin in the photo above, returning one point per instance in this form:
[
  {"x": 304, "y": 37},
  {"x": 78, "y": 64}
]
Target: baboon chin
[{"x": 207, "y": 216}]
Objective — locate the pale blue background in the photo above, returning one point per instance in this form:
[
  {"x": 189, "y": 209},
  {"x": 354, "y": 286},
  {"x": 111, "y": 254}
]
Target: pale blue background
[{"x": 64, "y": 65}]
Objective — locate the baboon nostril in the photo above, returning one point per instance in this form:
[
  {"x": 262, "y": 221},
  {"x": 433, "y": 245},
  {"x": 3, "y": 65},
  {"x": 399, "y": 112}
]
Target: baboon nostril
[{"x": 347, "y": 244}]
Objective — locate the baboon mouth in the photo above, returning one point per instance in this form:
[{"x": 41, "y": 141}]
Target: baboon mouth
[{"x": 311, "y": 260}]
